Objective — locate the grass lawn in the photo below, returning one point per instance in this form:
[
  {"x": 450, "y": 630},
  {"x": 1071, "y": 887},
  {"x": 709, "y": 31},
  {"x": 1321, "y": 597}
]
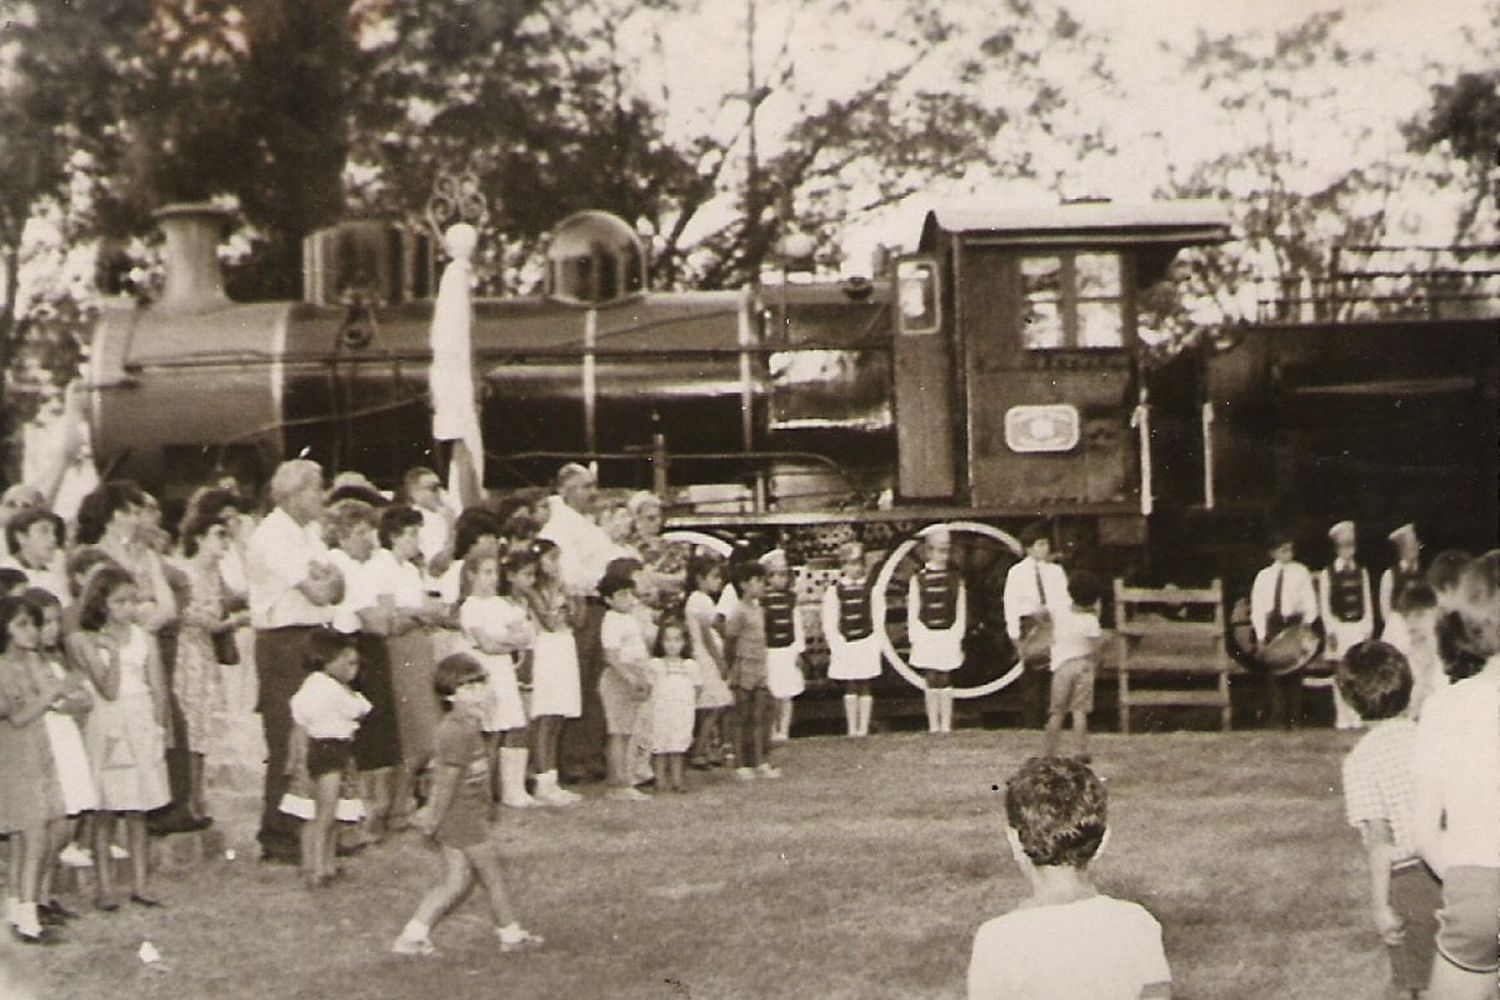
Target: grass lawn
[{"x": 863, "y": 873}]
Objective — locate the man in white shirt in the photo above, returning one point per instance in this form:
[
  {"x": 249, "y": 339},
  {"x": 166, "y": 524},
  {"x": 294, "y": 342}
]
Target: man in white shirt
[
  {"x": 1282, "y": 597},
  {"x": 1033, "y": 586},
  {"x": 294, "y": 588},
  {"x": 424, "y": 491},
  {"x": 584, "y": 552},
  {"x": 1456, "y": 813}
]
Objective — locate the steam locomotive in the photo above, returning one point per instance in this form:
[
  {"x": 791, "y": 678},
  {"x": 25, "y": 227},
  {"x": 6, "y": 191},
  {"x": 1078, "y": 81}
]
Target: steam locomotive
[{"x": 997, "y": 375}]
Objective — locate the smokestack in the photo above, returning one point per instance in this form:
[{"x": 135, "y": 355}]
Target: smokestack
[{"x": 195, "y": 282}]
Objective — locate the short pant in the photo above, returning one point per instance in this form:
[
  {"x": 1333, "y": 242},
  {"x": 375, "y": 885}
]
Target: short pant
[
  {"x": 1072, "y": 686},
  {"x": 1469, "y": 922},
  {"x": 324, "y": 756},
  {"x": 620, "y": 705},
  {"x": 1415, "y": 895}
]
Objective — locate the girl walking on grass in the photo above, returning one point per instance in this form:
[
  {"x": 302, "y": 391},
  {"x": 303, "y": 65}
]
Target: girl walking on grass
[
  {"x": 674, "y": 683},
  {"x": 126, "y": 731},
  {"x": 456, "y": 816}
]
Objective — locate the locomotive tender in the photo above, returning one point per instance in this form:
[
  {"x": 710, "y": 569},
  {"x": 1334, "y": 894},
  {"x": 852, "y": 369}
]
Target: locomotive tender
[{"x": 996, "y": 375}]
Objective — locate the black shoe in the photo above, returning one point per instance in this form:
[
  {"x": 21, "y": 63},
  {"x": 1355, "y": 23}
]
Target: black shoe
[
  {"x": 54, "y": 914},
  {"x": 169, "y": 823},
  {"x": 278, "y": 854},
  {"x": 347, "y": 850},
  {"x": 149, "y": 902}
]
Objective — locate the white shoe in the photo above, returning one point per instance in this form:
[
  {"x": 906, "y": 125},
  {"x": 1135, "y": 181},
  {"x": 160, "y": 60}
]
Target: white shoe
[
  {"x": 74, "y": 856},
  {"x": 118, "y": 853},
  {"x": 744, "y": 774},
  {"x": 414, "y": 946},
  {"x": 519, "y": 800},
  {"x": 526, "y": 941},
  {"x": 768, "y": 771},
  {"x": 554, "y": 797},
  {"x": 627, "y": 795},
  {"x": 568, "y": 795}
]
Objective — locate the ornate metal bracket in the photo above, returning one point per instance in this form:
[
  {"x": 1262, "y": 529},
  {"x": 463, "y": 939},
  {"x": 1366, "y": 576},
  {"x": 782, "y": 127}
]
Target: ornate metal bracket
[{"x": 456, "y": 197}]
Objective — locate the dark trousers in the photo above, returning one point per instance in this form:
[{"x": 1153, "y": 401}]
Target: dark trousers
[
  {"x": 179, "y": 768},
  {"x": 1416, "y": 896},
  {"x": 1035, "y": 694},
  {"x": 278, "y": 665},
  {"x": 581, "y": 746},
  {"x": 1284, "y": 696},
  {"x": 755, "y": 715}
]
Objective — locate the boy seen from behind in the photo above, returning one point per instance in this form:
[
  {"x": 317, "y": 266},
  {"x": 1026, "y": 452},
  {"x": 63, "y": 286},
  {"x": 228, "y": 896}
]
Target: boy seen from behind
[
  {"x": 1076, "y": 637},
  {"x": 1374, "y": 679},
  {"x": 1066, "y": 940}
]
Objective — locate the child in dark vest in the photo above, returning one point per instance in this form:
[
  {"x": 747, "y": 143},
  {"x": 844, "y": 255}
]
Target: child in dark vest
[
  {"x": 853, "y": 646},
  {"x": 784, "y": 642},
  {"x": 1348, "y": 611},
  {"x": 936, "y": 617},
  {"x": 1406, "y": 570}
]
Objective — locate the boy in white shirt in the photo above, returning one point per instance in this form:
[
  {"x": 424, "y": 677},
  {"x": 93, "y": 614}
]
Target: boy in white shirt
[
  {"x": 1066, "y": 941},
  {"x": 1076, "y": 636},
  {"x": 1281, "y": 599}
]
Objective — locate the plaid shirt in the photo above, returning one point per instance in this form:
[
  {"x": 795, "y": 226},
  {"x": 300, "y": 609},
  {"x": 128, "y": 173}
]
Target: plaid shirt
[{"x": 1378, "y": 783}]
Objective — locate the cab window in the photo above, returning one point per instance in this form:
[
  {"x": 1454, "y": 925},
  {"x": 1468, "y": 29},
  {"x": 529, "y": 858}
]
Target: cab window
[{"x": 1071, "y": 300}]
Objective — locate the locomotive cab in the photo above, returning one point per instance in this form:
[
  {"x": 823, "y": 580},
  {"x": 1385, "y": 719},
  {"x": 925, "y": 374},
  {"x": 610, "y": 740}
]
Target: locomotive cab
[{"x": 1016, "y": 381}]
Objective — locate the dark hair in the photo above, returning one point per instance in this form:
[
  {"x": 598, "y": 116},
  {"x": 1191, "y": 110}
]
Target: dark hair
[
  {"x": 416, "y": 472},
  {"x": 519, "y": 526},
  {"x": 323, "y": 647},
  {"x": 511, "y": 564},
  {"x": 747, "y": 571},
  {"x": 1375, "y": 679},
  {"x": 41, "y": 598},
  {"x": 11, "y": 579},
  {"x": 473, "y": 523},
  {"x": 1415, "y": 596},
  {"x": 1033, "y": 533},
  {"x": 453, "y": 672},
  {"x": 1447, "y": 566},
  {"x": 92, "y": 612},
  {"x": 471, "y": 565},
  {"x": 342, "y": 516},
  {"x": 673, "y": 621},
  {"x": 626, "y": 566},
  {"x": 22, "y": 522},
  {"x": 1057, "y": 806},
  {"x": 700, "y": 566},
  {"x": 211, "y": 502},
  {"x": 394, "y": 520},
  {"x": 96, "y": 509},
  {"x": 613, "y": 583},
  {"x": 194, "y": 528},
  {"x": 1086, "y": 588},
  {"x": 11, "y": 607},
  {"x": 81, "y": 560}
]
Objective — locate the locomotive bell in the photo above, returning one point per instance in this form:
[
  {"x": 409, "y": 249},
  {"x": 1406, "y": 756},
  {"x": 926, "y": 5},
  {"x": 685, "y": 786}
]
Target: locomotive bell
[{"x": 595, "y": 259}]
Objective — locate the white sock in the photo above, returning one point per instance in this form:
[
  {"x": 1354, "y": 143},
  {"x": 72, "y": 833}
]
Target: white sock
[
  {"x": 511, "y": 932},
  {"x": 866, "y": 706},
  {"x": 415, "y": 930},
  {"x": 11, "y": 904},
  {"x": 945, "y": 709},
  {"x": 851, "y": 713},
  {"x": 934, "y": 719},
  {"x": 23, "y": 915}
]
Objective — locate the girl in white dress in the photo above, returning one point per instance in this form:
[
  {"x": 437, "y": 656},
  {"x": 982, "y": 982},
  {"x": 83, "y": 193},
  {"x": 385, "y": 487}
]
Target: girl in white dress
[
  {"x": 674, "y": 684},
  {"x": 705, "y": 582},
  {"x": 126, "y": 732},
  {"x": 499, "y": 630},
  {"x": 555, "y": 689},
  {"x": 853, "y": 642}
]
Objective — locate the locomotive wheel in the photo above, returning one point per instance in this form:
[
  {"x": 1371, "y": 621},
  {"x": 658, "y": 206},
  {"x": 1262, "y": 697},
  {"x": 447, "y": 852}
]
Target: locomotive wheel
[
  {"x": 699, "y": 539},
  {"x": 887, "y": 574}
]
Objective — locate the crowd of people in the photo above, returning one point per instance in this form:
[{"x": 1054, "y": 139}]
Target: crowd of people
[{"x": 421, "y": 666}]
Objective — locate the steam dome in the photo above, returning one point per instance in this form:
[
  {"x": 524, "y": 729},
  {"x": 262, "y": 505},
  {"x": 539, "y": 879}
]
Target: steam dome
[{"x": 594, "y": 259}]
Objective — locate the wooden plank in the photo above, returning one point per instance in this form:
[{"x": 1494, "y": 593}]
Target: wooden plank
[
  {"x": 1181, "y": 664},
  {"x": 1208, "y": 631},
  {"x": 1158, "y": 697},
  {"x": 1169, "y": 595}
]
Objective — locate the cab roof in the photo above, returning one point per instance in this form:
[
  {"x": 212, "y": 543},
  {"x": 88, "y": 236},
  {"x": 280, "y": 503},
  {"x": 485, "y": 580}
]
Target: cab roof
[{"x": 1101, "y": 223}]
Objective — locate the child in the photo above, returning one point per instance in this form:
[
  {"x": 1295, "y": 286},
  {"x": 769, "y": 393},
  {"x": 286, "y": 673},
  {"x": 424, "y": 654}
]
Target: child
[
  {"x": 1282, "y": 598},
  {"x": 674, "y": 684},
  {"x": 456, "y": 815},
  {"x": 936, "y": 618},
  {"x": 1413, "y": 630},
  {"x": 1405, "y": 571},
  {"x": 1378, "y": 802},
  {"x": 745, "y": 651},
  {"x": 1459, "y": 660},
  {"x": 555, "y": 693},
  {"x": 853, "y": 646},
  {"x": 327, "y": 713},
  {"x": 1066, "y": 941},
  {"x": 1076, "y": 637},
  {"x": 705, "y": 581},
  {"x": 1457, "y": 804},
  {"x": 126, "y": 731},
  {"x": 624, "y": 684},
  {"x": 65, "y": 739},
  {"x": 784, "y": 642},
  {"x": 499, "y": 629},
  {"x": 34, "y": 785},
  {"x": 1347, "y": 610}
]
